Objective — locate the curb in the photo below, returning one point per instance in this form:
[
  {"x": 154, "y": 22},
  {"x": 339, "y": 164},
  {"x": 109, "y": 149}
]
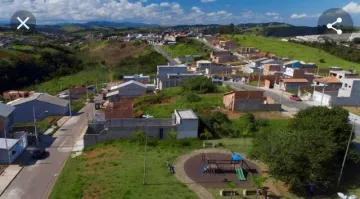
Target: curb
[{"x": 12, "y": 180}]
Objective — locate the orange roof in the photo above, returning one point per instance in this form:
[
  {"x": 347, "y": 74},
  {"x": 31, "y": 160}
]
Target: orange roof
[
  {"x": 295, "y": 80},
  {"x": 327, "y": 80}
]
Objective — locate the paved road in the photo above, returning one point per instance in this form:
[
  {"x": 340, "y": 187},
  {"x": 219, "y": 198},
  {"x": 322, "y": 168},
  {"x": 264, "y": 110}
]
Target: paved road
[
  {"x": 36, "y": 179},
  {"x": 164, "y": 53}
]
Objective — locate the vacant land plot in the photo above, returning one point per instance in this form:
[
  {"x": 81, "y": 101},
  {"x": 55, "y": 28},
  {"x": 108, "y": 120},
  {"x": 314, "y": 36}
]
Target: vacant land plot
[
  {"x": 294, "y": 51},
  {"x": 188, "y": 47},
  {"x": 264, "y": 115},
  {"x": 115, "y": 170},
  {"x": 111, "y": 52}
]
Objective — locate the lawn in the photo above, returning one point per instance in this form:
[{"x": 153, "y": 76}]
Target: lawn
[
  {"x": 115, "y": 170},
  {"x": 294, "y": 51},
  {"x": 188, "y": 47}
]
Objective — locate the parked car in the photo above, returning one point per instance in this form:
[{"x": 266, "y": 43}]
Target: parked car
[
  {"x": 39, "y": 153},
  {"x": 295, "y": 98}
]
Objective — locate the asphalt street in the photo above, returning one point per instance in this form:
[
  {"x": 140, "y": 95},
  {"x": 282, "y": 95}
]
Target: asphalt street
[
  {"x": 164, "y": 53},
  {"x": 37, "y": 178}
]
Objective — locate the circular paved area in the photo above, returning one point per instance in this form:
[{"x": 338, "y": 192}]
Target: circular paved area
[{"x": 194, "y": 165}]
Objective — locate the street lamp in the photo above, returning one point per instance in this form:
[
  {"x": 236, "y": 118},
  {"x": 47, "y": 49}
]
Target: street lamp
[
  {"x": 146, "y": 119},
  {"x": 36, "y": 133},
  {"x": 346, "y": 152}
]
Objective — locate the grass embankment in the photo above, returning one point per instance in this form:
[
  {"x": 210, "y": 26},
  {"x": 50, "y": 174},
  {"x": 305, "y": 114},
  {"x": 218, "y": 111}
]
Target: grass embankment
[
  {"x": 294, "y": 51},
  {"x": 188, "y": 47},
  {"x": 94, "y": 75},
  {"x": 163, "y": 105}
]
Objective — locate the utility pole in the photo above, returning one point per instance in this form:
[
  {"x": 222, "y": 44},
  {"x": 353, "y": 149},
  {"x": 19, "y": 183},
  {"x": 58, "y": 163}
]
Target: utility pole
[
  {"x": 36, "y": 133},
  {"x": 6, "y": 143},
  {"x": 146, "y": 139},
  {"x": 346, "y": 152}
]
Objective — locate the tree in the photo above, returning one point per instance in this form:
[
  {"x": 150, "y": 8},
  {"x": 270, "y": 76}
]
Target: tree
[
  {"x": 199, "y": 85},
  {"x": 310, "y": 150},
  {"x": 138, "y": 136},
  {"x": 207, "y": 134}
]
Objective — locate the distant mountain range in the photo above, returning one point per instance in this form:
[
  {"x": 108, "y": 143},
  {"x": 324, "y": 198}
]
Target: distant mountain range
[{"x": 111, "y": 24}]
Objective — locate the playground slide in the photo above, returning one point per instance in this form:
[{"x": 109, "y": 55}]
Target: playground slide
[{"x": 240, "y": 174}]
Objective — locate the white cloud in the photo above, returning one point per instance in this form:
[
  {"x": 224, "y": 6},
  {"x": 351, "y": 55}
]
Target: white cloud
[
  {"x": 272, "y": 14},
  {"x": 207, "y": 1},
  {"x": 352, "y": 7},
  {"x": 301, "y": 16},
  {"x": 166, "y": 13},
  {"x": 164, "y": 4}
]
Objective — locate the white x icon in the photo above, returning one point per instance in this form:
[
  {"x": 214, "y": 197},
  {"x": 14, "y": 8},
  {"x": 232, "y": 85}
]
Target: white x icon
[{"x": 23, "y": 23}]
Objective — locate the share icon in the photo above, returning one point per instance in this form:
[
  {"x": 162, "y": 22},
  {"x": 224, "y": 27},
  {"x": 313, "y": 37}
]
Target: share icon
[{"x": 331, "y": 26}]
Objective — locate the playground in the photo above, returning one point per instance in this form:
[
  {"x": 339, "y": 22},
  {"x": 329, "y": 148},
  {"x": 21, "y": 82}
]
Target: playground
[{"x": 216, "y": 170}]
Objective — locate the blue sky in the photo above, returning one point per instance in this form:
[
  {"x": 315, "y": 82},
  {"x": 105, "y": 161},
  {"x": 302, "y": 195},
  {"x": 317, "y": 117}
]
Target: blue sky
[{"x": 304, "y": 12}]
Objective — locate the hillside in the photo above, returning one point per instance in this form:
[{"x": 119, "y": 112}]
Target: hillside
[
  {"x": 188, "y": 47},
  {"x": 110, "y": 53},
  {"x": 294, "y": 51}
]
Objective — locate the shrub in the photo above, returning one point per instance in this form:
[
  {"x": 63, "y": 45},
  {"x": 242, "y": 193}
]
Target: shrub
[
  {"x": 152, "y": 141},
  {"x": 192, "y": 97},
  {"x": 199, "y": 85}
]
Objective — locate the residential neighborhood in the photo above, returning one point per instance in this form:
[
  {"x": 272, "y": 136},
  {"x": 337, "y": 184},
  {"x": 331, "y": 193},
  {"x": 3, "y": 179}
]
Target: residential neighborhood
[{"x": 222, "y": 106}]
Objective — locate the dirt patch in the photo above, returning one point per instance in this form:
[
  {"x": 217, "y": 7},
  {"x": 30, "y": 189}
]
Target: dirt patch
[
  {"x": 99, "y": 153},
  {"x": 113, "y": 53},
  {"x": 93, "y": 192},
  {"x": 353, "y": 109},
  {"x": 4, "y": 54},
  {"x": 262, "y": 115}
]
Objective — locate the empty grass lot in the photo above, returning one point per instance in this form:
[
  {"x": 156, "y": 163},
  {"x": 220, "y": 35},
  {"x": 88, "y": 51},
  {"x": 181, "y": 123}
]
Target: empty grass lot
[
  {"x": 294, "y": 51},
  {"x": 193, "y": 47},
  {"x": 115, "y": 170}
]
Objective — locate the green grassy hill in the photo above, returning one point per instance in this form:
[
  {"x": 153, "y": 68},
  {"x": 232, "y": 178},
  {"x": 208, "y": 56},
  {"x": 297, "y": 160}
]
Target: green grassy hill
[
  {"x": 187, "y": 47},
  {"x": 294, "y": 51}
]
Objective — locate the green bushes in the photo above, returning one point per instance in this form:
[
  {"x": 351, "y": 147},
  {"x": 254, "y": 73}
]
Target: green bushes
[
  {"x": 199, "y": 85},
  {"x": 192, "y": 97}
]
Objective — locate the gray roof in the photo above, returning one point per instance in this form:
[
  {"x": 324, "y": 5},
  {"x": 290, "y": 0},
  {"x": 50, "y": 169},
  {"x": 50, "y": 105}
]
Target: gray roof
[
  {"x": 6, "y": 110},
  {"x": 267, "y": 61},
  {"x": 41, "y": 97},
  {"x": 260, "y": 59},
  {"x": 112, "y": 93},
  {"x": 127, "y": 83},
  {"x": 10, "y": 143},
  {"x": 187, "y": 114}
]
